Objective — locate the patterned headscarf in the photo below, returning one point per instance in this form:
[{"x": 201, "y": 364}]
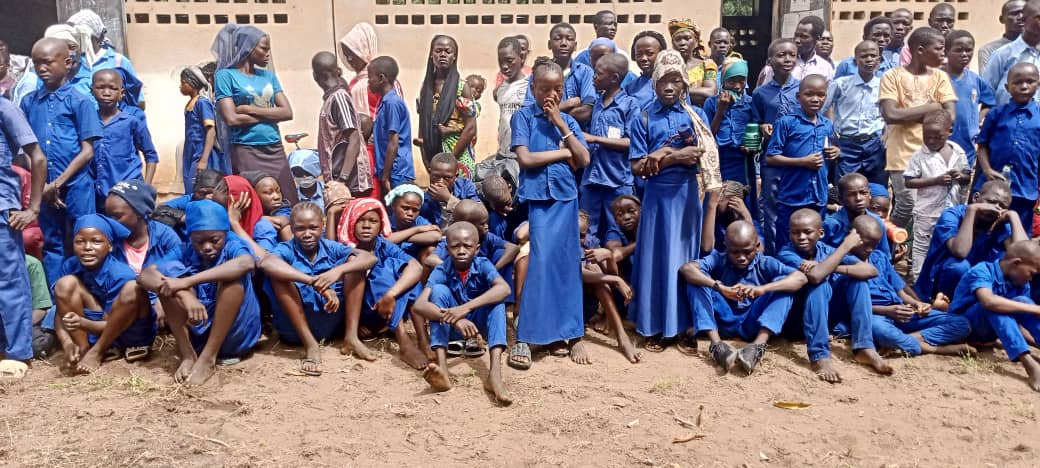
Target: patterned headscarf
[
  {"x": 677, "y": 25},
  {"x": 669, "y": 61},
  {"x": 88, "y": 18},
  {"x": 353, "y": 212},
  {"x": 78, "y": 34},
  {"x": 237, "y": 186}
]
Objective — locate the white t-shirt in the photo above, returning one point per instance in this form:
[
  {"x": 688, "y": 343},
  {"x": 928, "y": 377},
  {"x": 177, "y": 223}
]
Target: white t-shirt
[
  {"x": 925, "y": 163},
  {"x": 510, "y": 98}
]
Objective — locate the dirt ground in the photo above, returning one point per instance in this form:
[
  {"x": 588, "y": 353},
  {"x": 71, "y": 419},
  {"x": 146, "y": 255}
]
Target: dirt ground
[{"x": 934, "y": 411}]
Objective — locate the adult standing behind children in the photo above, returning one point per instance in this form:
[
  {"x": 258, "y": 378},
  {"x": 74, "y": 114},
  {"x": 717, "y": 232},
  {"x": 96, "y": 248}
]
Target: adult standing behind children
[
  {"x": 1022, "y": 49},
  {"x": 101, "y": 55},
  {"x": 251, "y": 102},
  {"x": 701, "y": 71},
  {"x": 445, "y": 99},
  {"x": 1013, "y": 20},
  {"x": 809, "y": 30}
]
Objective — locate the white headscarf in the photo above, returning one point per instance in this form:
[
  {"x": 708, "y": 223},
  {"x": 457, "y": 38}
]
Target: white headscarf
[
  {"x": 91, "y": 20},
  {"x": 78, "y": 34}
]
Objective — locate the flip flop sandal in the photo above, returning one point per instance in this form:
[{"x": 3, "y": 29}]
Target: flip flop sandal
[
  {"x": 687, "y": 344},
  {"x": 656, "y": 344},
  {"x": 520, "y": 351},
  {"x": 456, "y": 348},
  {"x": 312, "y": 373},
  {"x": 559, "y": 349},
  {"x": 473, "y": 348},
  {"x": 13, "y": 370},
  {"x": 228, "y": 361},
  {"x": 137, "y": 353},
  {"x": 112, "y": 354}
]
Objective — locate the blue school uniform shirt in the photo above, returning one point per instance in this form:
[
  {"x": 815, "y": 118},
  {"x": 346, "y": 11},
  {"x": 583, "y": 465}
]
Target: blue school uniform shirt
[
  {"x": 1012, "y": 133},
  {"x": 258, "y": 90},
  {"x": 61, "y": 119},
  {"x": 734, "y": 121},
  {"x": 795, "y": 136},
  {"x": 577, "y": 82},
  {"x": 985, "y": 246},
  {"x": 986, "y": 275},
  {"x": 163, "y": 245},
  {"x": 463, "y": 189},
  {"x": 392, "y": 116},
  {"x": 642, "y": 90},
  {"x": 409, "y": 247},
  {"x": 848, "y": 67},
  {"x": 885, "y": 287},
  {"x": 789, "y": 256},
  {"x": 330, "y": 254},
  {"x": 610, "y": 167},
  {"x": 773, "y": 100},
  {"x": 116, "y": 153},
  {"x": 491, "y": 248},
  {"x": 103, "y": 282},
  {"x": 660, "y": 126},
  {"x": 855, "y": 105},
  {"x": 14, "y": 134},
  {"x": 555, "y": 181},
  {"x": 481, "y": 277},
  {"x": 763, "y": 269},
  {"x": 390, "y": 262},
  {"x": 971, "y": 92},
  {"x": 265, "y": 234},
  {"x": 198, "y": 115},
  {"x": 837, "y": 225},
  {"x": 1001, "y": 61}
]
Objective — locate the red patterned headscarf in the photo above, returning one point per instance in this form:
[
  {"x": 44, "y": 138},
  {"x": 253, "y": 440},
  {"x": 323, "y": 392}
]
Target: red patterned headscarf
[
  {"x": 353, "y": 211},
  {"x": 238, "y": 185}
]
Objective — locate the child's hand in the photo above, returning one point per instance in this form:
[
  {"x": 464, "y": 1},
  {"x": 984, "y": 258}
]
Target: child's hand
[
  {"x": 454, "y": 314},
  {"x": 852, "y": 239},
  {"x": 900, "y": 253},
  {"x": 417, "y": 142},
  {"x": 731, "y": 292},
  {"x": 590, "y": 138},
  {"x": 767, "y": 130},
  {"x": 807, "y": 266},
  {"x": 552, "y": 109},
  {"x": 71, "y": 321},
  {"x": 427, "y": 228},
  {"x": 331, "y": 300},
  {"x": 196, "y": 311},
  {"x": 387, "y": 185},
  {"x": 725, "y": 99},
  {"x": 923, "y": 309},
  {"x": 385, "y": 306},
  {"x": 20, "y": 219},
  {"x": 994, "y": 175},
  {"x": 625, "y": 290},
  {"x": 171, "y": 286},
  {"x": 598, "y": 255},
  {"x": 813, "y": 161},
  {"x": 903, "y": 313},
  {"x": 237, "y": 207},
  {"x": 445, "y": 130},
  {"x": 831, "y": 153},
  {"x": 467, "y": 328},
  {"x": 439, "y": 192},
  {"x": 752, "y": 292},
  {"x": 325, "y": 280}
]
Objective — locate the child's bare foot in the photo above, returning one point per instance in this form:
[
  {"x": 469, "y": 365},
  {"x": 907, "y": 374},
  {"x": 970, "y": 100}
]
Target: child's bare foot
[
  {"x": 578, "y": 354},
  {"x": 437, "y": 377},
  {"x": 955, "y": 350},
  {"x": 872, "y": 359},
  {"x": 430, "y": 355},
  {"x": 90, "y": 362},
  {"x": 941, "y": 302},
  {"x": 498, "y": 389},
  {"x": 1032, "y": 370},
  {"x": 183, "y": 371},
  {"x": 825, "y": 370},
  {"x": 629, "y": 350},
  {"x": 72, "y": 353},
  {"x": 413, "y": 357},
  {"x": 201, "y": 372},
  {"x": 356, "y": 347},
  {"x": 599, "y": 323}
]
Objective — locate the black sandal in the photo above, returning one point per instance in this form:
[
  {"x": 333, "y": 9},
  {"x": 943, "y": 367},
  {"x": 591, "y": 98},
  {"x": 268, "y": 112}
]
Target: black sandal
[{"x": 687, "y": 344}]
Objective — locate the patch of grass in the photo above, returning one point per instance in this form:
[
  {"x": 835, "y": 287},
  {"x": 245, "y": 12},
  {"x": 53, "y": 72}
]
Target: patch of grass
[
  {"x": 974, "y": 365},
  {"x": 138, "y": 385},
  {"x": 1025, "y": 410},
  {"x": 99, "y": 382},
  {"x": 664, "y": 386}
]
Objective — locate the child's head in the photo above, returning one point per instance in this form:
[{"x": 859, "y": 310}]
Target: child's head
[
  {"x": 1022, "y": 81},
  {"x": 1022, "y": 262},
  {"x": 942, "y": 18},
  {"x": 206, "y": 181},
  {"x": 993, "y": 192},
  {"x": 868, "y": 56},
  {"x": 267, "y": 189},
  {"x": 405, "y": 202},
  {"x": 807, "y": 33},
  {"x": 928, "y": 47},
  {"x": 193, "y": 81},
  {"x": 734, "y": 76},
  {"x": 720, "y": 41},
  {"x": 880, "y": 203},
  {"x": 878, "y": 29},
  {"x": 107, "y": 88},
  {"x": 208, "y": 225},
  {"x": 463, "y": 243},
  {"x": 600, "y": 47},
  {"x": 209, "y": 70},
  {"x": 732, "y": 189},
  {"x": 51, "y": 61},
  {"x": 525, "y": 45},
  {"x": 783, "y": 54},
  {"x": 670, "y": 77},
  {"x": 626, "y": 210},
  {"x": 960, "y": 46},
  {"x": 95, "y": 235},
  {"x": 548, "y": 81},
  {"x": 305, "y": 167},
  {"x": 368, "y": 227},
  {"x": 562, "y": 41},
  {"x": 510, "y": 57},
  {"x": 741, "y": 244},
  {"x": 307, "y": 223},
  {"x": 5, "y": 63},
  {"x": 937, "y": 127},
  {"x": 645, "y": 47},
  {"x": 131, "y": 203},
  {"x": 854, "y": 190},
  {"x": 605, "y": 23},
  {"x": 902, "y": 24},
  {"x": 583, "y": 226},
  {"x": 498, "y": 194},
  {"x": 325, "y": 68},
  {"x": 806, "y": 228},
  {"x": 477, "y": 84},
  {"x": 444, "y": 52},
  {"x": 382, "y": 73},
  {"x": 870, "y": 234},
  {"x": 812, "y": 93},
  {"x": 472, "y": 212},
  {"x": 444, "y": 169},
  {"x": 610, "y": 72}
]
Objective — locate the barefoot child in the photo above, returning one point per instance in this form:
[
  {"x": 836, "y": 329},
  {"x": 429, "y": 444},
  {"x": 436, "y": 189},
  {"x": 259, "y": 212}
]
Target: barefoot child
[
  {"x": 98, "y": 303},
  {"x": 313, "y": 281},
  {"x": 465, "y": 293},
  {"x": 445, "y": 190},
  {"x": 411, "y": 231},
  {"x": 124, "y": 136},
  {"x": 855, "y": 196},
  {"x": 600, "y": 273},
  {"x": 740, "y": 293},
  {"x": 200, "y": 132},
  {"x": 208, "y": 295}
]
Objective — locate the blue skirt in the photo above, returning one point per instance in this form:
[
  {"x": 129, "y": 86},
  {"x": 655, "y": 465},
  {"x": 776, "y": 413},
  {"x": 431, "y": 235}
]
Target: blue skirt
[
  {"x": 669, "y": 236},
  {"x": 551, "y": 305}
]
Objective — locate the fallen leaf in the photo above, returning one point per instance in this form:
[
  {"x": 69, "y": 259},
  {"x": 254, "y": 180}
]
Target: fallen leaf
[
  {"x": 763, "y": 456},
  {"x": 295, "y": 373},
  {"x": 687, "y": 438},
  {"x": 791, "y": 404},
  {"x": 632, "y": 423}
]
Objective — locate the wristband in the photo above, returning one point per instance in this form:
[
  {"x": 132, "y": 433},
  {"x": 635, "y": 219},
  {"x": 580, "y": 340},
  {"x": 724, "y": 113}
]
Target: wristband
[{"x": 565, "y": 137}]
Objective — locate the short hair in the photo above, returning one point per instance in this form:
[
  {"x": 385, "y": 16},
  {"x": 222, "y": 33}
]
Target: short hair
[
  {"x": 940, "y": 117},
  {"x": 654, "y": 34},
  {"x": 384, "y": 65},
  {"x": 777, "y": 43},
  {"x": 522, "y": 37},
  {"x": 477, "y": 78},
  {"x": 957, "y": 34},
  {"x": 737, "y": 187},
  {"x": 459, "y": 227},
  {"x": 717, "y": 30},
  {"x": 866, "y": 224},
  {"x": 107, "y": 71},
  {"x": 509, "y": 41},
  {"x": 942, "y": 6},
  {"x": 817, "y": 24},
  {"x": 601, "y": 17},
  {"x": 811, "y": 78},
  {"x": 874, "y": 22},
  {"x": 865, "y": 43},
  {"x": 618, "y": 63},
  {"x": 1001, "y": 185},
  {"x": 444, "y": 158},
  {"x": 495, "y": 186},
  {"x": 306, "y": 206},
  {"x": 921, "y": 37},
  {"x": 846, "y": 179},
  {"x": 208, "y": 178},
  {"x": 561, "y": 26},
  {"x": 806, "y": 212},
  {"x": 632, "y": 198}
]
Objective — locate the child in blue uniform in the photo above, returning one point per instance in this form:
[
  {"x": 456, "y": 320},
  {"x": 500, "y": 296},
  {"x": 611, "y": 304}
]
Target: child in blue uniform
[
  {"x": 600, "y": 274},
  {"x": 392, "y": 128},
  {"x": 445, "y": 190},
  {"x": 578, "y": 93},
  {"x": 626, "y": 210},
  {"x": 854, "y": 193},
  {"x": 852, "y": 100},
  {"x": 98, "y": 302},
  {"x": 549, "y": 146},
  {"x": 313, "y": 280},
  {"x": 504, "y": 215},
  {"x": 124, "y": 136},
  {"x": 465, "y": 294},
  {"x": 740, "y": 293},
  {"x": 411, "y": 231},
  {"x": 67, "y": 124},
  {"x": 200, "y": 134},
  {"x": 836, "y": 291},
  {"x": 1009, "y": 141},
  {"x": 729, "y": 113},
  {"x": 974, "y": 96},
  {"x": 131, "y": 203},
  {"x": 392, "y": 286},
  {"x": 994, "y": 297},
  {"x": 208, "y": 295},
  {"x": 645, "y": 47},
  {"x": 797, "y": 151}
]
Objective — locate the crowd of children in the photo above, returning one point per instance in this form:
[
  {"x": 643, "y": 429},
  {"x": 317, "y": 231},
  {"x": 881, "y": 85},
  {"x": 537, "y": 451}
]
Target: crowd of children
[{"x": 889, "y": 199}]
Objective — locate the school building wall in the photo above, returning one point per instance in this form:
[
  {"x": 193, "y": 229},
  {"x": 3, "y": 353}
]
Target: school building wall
[{"x": 166, "y": 35}]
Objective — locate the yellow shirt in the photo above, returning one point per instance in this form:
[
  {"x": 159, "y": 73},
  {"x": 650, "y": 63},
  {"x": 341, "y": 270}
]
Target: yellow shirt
[{"x": 909, "y": 90}]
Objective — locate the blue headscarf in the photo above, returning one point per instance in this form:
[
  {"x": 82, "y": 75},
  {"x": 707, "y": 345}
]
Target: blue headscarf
[
  {"x": 599, "y": 41},
  {"x": 206, "y": 215},
  {"x": 138, "y": 194},
  {"x": 878, "y": 190},
  {"x": 108, "y": 226},
  {"x": 234, "y": 43}
]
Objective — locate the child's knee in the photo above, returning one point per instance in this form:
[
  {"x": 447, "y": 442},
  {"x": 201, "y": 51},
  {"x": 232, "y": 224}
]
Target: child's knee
[
  {"x": 67, "y": 286},
  {"x": 441, "y": 296},
  {"x": 130, "y": 293}
]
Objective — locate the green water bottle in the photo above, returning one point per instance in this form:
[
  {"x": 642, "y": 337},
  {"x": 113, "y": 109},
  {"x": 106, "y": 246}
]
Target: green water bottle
[{"x": 752, "y": 138}]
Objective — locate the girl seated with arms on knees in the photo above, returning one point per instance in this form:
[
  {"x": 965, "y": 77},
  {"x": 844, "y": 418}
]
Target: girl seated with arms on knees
[
  {"x": 313, "y": 281},
  {"x": 410, "y": 231},
  {"x": 599, "y": 273},
  {"x": 392, "y": 286},
  {"x": 275, "y": 208},
  {"x": 171, "y": 212},
  {"x": 207, "y": 295},
  {"x": 98, "y": 303}
]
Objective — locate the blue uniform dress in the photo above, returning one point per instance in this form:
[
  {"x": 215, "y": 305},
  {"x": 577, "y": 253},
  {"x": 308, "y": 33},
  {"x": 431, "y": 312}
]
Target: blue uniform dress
[
  {"x": 837, "y": 225},
  {"x": 551, "y": 303},
  {"x": 116, "y": 153},
  {"x": 393, "y": 116},
  {"x": 390, "y": 262},
  {"x": 323, "y": 325},
  {"x": 245, "y": 330},
  {"x": 61, "y": 119},
  {"x": 669, "y": 226},
  {"x": 642, "y": 90},
  {"x": 1012, "y": 133},
  {"x": 15, "y": 291},
  {"x": 735, "y": 165},
  {"x": 796, "y": 136},
  {"x": 742, "y": 319},
  {"x": 199, "y": 115},
  {"x": 577, "y": 82},
  {"x": 463, "y": 189},
  {"x": 858, "y": 123},
  {"x": 941, "y": 270},
  {"x": 769, "y": 102},
  {"x": 972, "y": 92},
  {"x": 104, "y": 283},
  {"x": 937, "y": 328},
  {"x": 412, "y": 249},
  {"x": 835, "y": 300},
  {"x": 448, "y": 289},
  {"x": 265, "y": 234},
  {"x": 986, "y": 325},
  {"x": 609, "y": 174}
]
